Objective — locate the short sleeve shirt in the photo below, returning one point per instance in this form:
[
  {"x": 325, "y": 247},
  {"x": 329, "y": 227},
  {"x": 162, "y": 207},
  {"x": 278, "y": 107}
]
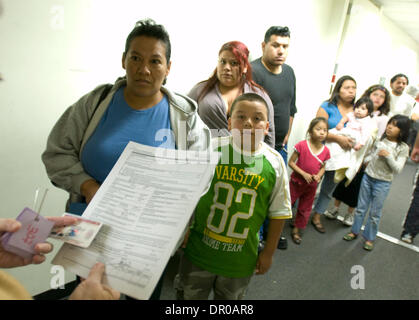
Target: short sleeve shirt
[
  {"x": 245, "y": 190},
  {"x": 308, "y": 161},
  {"x": 402, "y": 104},
  {"x": 333, "y": 112},
  {"x": 282, "y": 91}
]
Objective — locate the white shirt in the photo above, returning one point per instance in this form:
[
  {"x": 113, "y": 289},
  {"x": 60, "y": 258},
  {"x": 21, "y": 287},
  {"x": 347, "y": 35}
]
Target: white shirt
[
  {"x": 415, "y": 108},
  {"x": 381, "y": 122},
  {"x": 402, "y": 104}
]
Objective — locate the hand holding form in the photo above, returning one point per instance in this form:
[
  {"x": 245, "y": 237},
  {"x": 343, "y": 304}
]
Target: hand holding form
[
  {"x": 11, "y": 260},
  {"x": 93, "y": 289}
]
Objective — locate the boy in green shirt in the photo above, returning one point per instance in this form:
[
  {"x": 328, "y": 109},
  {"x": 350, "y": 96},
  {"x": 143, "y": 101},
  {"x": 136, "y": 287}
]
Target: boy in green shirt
[{"x": 250, "y": 183}]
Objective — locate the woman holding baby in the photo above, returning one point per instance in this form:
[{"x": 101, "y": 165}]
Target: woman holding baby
[{"x": 348, "y": 194}]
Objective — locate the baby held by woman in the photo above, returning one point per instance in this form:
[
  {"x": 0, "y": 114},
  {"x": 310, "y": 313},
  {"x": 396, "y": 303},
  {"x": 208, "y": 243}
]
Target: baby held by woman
[{"x": 360, "y": 126}]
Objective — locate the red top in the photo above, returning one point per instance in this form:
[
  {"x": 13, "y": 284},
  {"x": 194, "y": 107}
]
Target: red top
[{"x": 308, "y": 161}]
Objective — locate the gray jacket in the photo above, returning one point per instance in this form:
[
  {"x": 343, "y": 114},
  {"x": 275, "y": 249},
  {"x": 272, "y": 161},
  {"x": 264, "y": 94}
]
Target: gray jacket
[
  {"x": 384, "y": 168},
  {"x": 62, "y": 157}
]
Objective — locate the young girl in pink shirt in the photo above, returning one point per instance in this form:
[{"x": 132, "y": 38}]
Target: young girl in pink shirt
[{"x": 307, "y": 163}]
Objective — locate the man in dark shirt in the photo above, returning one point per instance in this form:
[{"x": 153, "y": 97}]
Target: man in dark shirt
[{"x": 278, "y": 79}]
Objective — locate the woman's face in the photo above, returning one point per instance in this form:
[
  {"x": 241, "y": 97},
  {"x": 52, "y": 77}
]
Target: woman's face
[
  {"x": 146, "y": 66},
  {"x": 228, "y": 69},
  {"x": 347, "y": 92},
  {"x": 377, "y": 97}
]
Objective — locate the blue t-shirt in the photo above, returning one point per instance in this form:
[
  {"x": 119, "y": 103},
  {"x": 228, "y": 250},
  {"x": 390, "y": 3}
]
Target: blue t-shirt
[
  {"x": 119, "y": 125},
  {"x": 333, "y": 112}
]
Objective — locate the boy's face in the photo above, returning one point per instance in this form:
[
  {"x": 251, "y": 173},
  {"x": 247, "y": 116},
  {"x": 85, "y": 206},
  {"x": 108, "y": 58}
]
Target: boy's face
[{"x": 249, "y": 124}]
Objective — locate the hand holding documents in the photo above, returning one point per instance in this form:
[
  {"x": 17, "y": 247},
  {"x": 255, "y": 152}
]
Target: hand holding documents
[
  {"x": 35, "y": 229},
  {"x": 145, "y": 204},
  {"x": 80, "y": 234}
]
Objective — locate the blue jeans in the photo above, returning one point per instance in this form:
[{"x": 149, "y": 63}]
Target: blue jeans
[
  {"x": 372, "y": 194},
  {"x": 326, "y": 192},
  {"x": 284, "y": 153}
]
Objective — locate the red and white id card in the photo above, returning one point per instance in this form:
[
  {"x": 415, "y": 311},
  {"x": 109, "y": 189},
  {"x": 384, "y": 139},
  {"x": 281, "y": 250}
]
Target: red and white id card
[{"x": 80, "y": 234}]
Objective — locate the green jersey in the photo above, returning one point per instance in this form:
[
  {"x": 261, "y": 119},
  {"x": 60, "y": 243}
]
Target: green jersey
[{"x": 245, "y": 190}]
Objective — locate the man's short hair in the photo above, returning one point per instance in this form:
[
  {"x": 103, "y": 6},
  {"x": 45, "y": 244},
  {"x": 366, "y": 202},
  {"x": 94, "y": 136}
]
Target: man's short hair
[
  {"x": 399, "y": 75},
  {"x": 278, "y": 31},
  {"x": 149, "y": 28},
  {"x": 250, "y": 96}
]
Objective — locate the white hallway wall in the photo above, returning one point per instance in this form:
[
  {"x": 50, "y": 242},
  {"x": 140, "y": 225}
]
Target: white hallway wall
[
  {"x": 64, "y": 48},
  {"x": 375, "y": 48}
]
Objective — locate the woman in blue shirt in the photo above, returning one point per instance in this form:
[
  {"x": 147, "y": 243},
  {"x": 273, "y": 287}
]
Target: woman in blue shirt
[
  {"x": 341, "y": 102},
  {"x": 89, "y": 137}
]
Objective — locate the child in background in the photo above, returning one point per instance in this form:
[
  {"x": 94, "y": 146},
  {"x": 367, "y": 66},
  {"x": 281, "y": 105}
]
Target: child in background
[
  {"x": 307, "y": 163},
  {"x": 250, "y": 184},
  {"x": 387, "y": 157}
]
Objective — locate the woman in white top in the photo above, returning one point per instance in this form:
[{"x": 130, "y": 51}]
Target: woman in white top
[{"x": 380, "y": 97}]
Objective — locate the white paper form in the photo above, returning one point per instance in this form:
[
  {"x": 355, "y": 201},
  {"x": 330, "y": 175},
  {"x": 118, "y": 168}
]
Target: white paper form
[{"x": 145, "y": 204}]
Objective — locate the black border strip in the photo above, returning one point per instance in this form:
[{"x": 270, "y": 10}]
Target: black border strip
[{"x": 57, "y": 294}]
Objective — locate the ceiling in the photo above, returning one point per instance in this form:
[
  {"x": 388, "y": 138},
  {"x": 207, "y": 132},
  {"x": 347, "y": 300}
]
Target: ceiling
[{"x": 404, "y": 13}]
